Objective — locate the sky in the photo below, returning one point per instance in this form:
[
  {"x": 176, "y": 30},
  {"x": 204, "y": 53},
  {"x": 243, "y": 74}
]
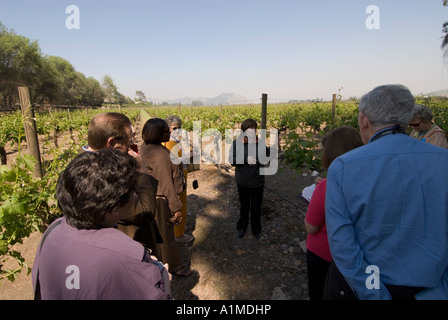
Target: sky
[{"x": 289, "y": 49}]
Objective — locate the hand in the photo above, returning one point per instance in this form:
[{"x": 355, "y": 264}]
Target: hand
[
  {"x": 251, "y": 160},
  {"x": 132, "y": 153},
  {"x": 177, "y": 218}
]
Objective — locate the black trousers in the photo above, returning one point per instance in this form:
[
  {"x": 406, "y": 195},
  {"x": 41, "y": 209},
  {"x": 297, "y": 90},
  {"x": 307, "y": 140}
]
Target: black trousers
[
  {"x": 337, "y": 288},
  {"x": 317, "y": 273},
  {"x": 250, "y": 200}
]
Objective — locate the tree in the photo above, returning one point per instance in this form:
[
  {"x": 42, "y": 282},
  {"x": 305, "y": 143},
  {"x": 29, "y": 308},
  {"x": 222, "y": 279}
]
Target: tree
[
  {"x": 59, "y": 83},
  {"x": 20, "y": 60},
  {"x": 111, "y": 91},
  {"x": 196, "y": 103},
  {"x": 50, "y": 79},
  {"x": 445, "y": 37},
  {"x": 140, "y": 96}
]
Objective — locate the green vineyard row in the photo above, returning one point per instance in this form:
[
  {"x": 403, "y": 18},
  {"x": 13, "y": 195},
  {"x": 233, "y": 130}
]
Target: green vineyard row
[{"x": 28, "y": 204}]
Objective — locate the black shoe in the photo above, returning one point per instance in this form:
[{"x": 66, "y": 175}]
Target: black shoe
[
  {"x": 241, "y": 233},
  {"x": 257, "y": 235}
]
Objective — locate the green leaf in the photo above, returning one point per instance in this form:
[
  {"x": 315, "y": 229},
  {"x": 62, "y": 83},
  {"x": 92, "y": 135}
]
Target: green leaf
[
  {"x": 28, "y": 161},
  {"x": 13, "y": 206}
]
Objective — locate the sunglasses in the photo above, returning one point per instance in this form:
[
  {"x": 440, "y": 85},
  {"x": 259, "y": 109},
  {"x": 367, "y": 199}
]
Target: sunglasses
[
  {"x": 175, "y": 128},
  {"x": 415, "y": 124}
]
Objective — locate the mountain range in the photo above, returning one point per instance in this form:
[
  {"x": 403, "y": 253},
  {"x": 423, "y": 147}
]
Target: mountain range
[
  {"x": 440, "y": 93},
  {"x": 234, "y": 98},
  {"x": 223, "y": 98}
]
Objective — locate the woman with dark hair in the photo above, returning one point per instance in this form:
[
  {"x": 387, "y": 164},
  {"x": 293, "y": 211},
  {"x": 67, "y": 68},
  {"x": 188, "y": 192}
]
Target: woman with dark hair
[
  {"x": 82, "y": 256},
  {"x": 156, "y": 159},
  {"x": 335, "y": 143},
  {"x": 250, "y": 182}
]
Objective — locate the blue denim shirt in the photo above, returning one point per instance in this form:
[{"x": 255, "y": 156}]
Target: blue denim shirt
[{"x": 387, "y": 206}]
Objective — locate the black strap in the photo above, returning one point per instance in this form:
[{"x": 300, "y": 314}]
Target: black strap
[
  {"x": 37, "y": 295},
  {"x": 385, "y": 132}
]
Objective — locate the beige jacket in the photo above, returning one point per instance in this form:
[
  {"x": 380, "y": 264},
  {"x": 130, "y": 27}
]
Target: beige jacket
[{"x": 156, "y": 159}]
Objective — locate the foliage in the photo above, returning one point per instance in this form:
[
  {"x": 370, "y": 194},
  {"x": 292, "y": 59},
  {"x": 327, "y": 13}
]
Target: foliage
[
  {"x": 27, "y": 204},
  {"x": 301, "y": 152},
  {"x": 51, "y": 79},
  {"x": 111, "y": 91}
]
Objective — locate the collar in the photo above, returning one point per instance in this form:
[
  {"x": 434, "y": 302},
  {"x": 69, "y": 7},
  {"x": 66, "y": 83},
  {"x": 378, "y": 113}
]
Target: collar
[
  {"x": 246, "y": 140},
  {"x": 387, "y": 131}
]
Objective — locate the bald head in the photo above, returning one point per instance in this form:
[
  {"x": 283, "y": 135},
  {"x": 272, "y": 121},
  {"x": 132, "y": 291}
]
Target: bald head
[{"x": 105, "y": 126}]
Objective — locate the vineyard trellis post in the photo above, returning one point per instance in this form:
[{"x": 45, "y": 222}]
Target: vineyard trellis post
[
  {"x": 333, "y": 111},
  {"x": 29, "y": 123},
  {"x": 264, "y": 108}
]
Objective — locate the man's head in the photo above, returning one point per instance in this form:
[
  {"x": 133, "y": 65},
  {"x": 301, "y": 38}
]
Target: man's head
[
  {"x": 110, "y": 130},
  {"x": 385, "y": 106},
  {"x": 96, "y": 187}
]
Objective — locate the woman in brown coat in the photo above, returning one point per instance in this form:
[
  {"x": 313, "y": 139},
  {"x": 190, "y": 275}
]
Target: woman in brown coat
[{"x": 156, "y": 159}]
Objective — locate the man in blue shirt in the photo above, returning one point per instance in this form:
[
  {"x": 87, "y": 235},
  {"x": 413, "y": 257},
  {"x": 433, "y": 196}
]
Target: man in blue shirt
[{"x": 387, "y": 208}]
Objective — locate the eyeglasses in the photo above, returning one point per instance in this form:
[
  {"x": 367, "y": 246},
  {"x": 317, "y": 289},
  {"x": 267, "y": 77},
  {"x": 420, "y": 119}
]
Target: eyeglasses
[
  {"x": 415, "y": 124},
  {"x": 132, "y": 138},
  {"x": 175, "y": 128}
]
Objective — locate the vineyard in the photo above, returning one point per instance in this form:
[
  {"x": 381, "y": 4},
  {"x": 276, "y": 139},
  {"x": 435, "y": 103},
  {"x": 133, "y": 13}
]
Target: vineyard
[{"x": 28, "y": 204}]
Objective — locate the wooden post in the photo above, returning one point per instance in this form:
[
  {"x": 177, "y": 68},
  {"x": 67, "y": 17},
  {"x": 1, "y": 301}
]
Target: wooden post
[
  {"x": 264, "y": 108},
  {"x": 2, "y": 156},
  {"x": 333, "y": 112},
  {"x": 30, "y": 129},
  {"x": 70, "y": 128}
]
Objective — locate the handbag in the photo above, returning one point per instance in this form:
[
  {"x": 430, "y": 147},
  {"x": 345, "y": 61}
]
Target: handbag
[{"x": 184, "y": 180}]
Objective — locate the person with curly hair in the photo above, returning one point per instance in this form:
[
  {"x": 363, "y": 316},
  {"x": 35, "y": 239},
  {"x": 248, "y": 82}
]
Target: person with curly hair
[{"x": 81, "y": 255}]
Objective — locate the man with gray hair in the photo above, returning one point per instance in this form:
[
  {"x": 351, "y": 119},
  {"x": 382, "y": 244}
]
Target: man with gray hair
[{"x": 386, "y": 208}]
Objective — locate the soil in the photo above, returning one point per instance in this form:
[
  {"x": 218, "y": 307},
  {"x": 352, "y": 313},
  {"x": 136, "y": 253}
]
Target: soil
[
  {"x": 272, "y": 267},
  {"x": 226, "y": 267}
]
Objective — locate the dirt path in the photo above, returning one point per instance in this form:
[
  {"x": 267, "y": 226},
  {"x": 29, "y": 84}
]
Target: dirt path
[
  {"x": 247, "y": 268},
  {"x": 227, "y": 267}
]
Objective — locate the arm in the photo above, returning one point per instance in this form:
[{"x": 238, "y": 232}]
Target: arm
[
  {"x": 143, "y": 207},
  {"x": 344, "y": 247},
  {"x": 315, "y": 215},
  {"x": 146, "y": 189},
  {"x": 438, "y": 138},
  {"x": 162, "y": 171},
  {"x": 310, "y": 228},
  {"x": 439, "y": 292},
  {"x": 234, "y": 159},
  {"x": 239, "y": 155}
]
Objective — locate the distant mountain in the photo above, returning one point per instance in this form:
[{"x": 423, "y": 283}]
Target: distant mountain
[
  {"x": 227, "y": 98},
  {"x": 440, "y": 93},
  {"x": 223, "y": 98}
]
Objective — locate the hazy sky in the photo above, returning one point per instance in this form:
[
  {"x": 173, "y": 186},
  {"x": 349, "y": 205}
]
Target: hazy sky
[{"x": 289, "y": 49}]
